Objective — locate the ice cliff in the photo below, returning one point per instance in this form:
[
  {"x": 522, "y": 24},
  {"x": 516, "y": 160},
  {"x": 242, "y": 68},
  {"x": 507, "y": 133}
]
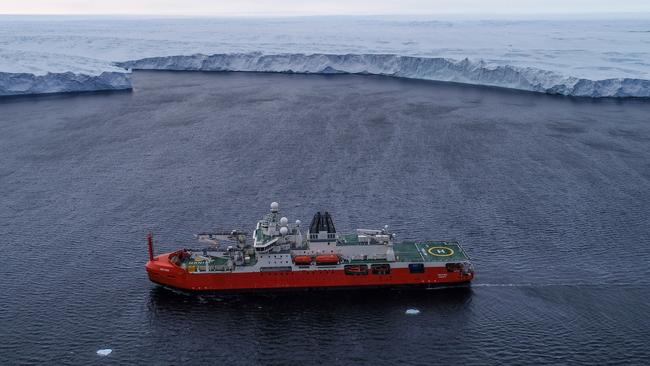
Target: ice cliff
[
  {"x": 28, "y": 83},
  {"x": 426, "y": 68},
  {"x": 439, "y": 69},
  {"x": 590, "y": 57}
]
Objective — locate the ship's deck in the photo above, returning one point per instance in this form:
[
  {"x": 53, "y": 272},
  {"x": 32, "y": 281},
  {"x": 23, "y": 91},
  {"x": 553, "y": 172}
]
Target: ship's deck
[
  {"x": 406, "y": 251},
  {"x": 429, "y": 251}
]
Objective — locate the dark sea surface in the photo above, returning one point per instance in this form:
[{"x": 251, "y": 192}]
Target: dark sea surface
[{"x": 549, "y": 195}]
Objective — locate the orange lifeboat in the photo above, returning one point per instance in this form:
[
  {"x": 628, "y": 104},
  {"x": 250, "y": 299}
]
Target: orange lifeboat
[
  {"x": 302, "y": 259},
  {"x": 327, "y": 259}
]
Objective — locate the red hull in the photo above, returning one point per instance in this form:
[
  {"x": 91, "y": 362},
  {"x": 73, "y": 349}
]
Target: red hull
[{"x": 163, "y": 272}]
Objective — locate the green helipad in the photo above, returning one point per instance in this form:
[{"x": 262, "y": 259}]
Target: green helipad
[{"x": 429, "y": 251}]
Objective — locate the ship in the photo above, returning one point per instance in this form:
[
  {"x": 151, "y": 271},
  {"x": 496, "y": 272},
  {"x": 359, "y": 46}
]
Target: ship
[{"x": 277, "y": 256}]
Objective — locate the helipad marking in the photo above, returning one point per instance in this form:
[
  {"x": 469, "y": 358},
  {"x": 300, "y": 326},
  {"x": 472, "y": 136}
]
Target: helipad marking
[
  {"x": 440, "y": 251},
  {"x": 418, "y": 249}
]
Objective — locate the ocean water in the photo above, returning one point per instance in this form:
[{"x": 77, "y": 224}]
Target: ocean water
[{"x": 550, "y": 196}]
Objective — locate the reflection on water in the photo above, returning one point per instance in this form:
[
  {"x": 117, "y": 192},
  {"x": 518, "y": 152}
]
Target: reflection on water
[{"x": 166, "y": 301}]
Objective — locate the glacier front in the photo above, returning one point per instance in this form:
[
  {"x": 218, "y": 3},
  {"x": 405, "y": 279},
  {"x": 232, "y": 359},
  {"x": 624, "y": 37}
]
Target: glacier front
[
  {"x": 439, "y": 69},
  {"x": 575, "y": 57},
  {"x": 25, "y": 83}
]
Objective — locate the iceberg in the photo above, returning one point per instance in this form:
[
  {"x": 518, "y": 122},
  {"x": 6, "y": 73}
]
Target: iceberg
[
  {"x": 27, "y": 83},
  {"x": 412, "y": 312},
  {"x": 574, "y": 57},
  {"x": 104, "y": 352},
  {"x": 439, "y": 69}
]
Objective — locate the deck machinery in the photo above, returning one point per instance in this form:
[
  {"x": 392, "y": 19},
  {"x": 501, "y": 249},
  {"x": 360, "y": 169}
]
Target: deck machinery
[{"x": 279, "y": 256}]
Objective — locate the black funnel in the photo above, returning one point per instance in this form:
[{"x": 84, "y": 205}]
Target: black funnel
[{"x": 322, "y": 223}]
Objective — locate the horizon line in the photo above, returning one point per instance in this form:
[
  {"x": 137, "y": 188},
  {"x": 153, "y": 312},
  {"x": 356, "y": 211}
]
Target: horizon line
[{"x": 298, "y": 15}]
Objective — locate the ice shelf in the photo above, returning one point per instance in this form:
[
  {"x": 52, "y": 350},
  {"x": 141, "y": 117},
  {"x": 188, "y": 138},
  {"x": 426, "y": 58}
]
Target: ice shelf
[
  {"x": 573, "y": 57},
  {"x": 438, "y": 69}
]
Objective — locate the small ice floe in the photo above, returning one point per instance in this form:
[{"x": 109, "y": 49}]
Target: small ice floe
[
  {"x": 104, "y": 352},
  {"x": 412, "y": 311}
]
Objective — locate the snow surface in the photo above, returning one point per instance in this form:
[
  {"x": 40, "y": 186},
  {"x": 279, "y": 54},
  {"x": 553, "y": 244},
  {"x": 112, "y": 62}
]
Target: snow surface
[{"x": 573, "y": 57}]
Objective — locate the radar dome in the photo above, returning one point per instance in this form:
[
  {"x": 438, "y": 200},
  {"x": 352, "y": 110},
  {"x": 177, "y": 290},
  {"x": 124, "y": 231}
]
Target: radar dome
[
  {"x": 284, "y": 221},
  {"x": 274, "y": 206},
  {"x": 284, "y": 230}
]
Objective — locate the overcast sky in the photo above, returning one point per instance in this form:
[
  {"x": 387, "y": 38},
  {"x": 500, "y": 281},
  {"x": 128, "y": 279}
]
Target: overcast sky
[{"x": 320, "y": 7}]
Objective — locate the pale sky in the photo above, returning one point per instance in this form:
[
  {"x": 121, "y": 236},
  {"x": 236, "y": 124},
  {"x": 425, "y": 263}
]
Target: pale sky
[{"x": 320, "y": 7}]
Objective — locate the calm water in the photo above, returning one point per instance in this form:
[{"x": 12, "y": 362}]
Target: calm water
[{"x": 551, "y": 197}]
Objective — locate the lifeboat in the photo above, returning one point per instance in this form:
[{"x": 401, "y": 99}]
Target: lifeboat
[
  {"x": 302, "y": 259},
  {"x": 327, "y": 259}
]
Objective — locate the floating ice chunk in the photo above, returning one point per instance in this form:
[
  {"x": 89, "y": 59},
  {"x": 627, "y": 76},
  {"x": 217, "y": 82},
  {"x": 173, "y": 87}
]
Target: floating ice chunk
[
  {"x": 412, "y": 311},
  {"x": 104, "y": 352}
]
